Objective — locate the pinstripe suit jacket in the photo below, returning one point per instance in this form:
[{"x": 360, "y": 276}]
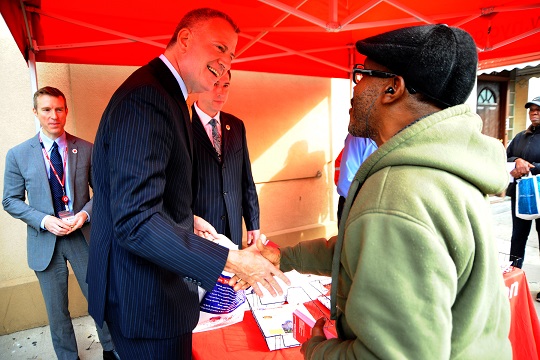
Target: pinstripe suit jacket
[
  {"x": 145, "y": 262},
  {"x": 224, "y": 191},
  {"x": 26, "y": 175}
]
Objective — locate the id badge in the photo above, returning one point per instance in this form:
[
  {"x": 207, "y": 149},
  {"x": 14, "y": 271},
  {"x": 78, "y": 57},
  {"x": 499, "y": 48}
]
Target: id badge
[{"x": 66, "y": 216}]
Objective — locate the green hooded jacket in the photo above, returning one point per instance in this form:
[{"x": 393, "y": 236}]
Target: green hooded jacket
[{"x": 415, "y": 270}]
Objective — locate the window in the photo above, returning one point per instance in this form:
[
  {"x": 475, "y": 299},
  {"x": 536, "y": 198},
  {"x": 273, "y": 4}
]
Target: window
[{"x": 486, "y": 97}]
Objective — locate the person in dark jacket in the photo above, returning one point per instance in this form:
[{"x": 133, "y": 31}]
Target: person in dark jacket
[
  {"x": 524, "y": 150},
  {"x": 223, "y": 188},
  {"x": 145, "y": 263}
]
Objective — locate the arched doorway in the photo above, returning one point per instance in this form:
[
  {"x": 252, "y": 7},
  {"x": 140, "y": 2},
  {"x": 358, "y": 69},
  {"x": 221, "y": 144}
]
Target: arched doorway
[{"x": 491, "y": 106}]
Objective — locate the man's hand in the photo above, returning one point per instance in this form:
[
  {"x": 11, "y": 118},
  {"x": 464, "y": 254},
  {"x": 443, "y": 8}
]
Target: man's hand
[
  {"x": 269, "y": 252},
  {"x": 252, "y": 236},
  {"x": 203, "y": 228},
  {"x": 78, "y": 221},
  {"x": 57, "y": 226},
  {"x": 318, "y": 328},
  {"x": 523, "y": 167},
  {"x": 252, "y": 269},
  {"x": 317, "y": 331}
]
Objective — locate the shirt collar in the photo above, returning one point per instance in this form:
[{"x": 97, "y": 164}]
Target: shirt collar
[
  {"x": 205, "y": 119},
  {"x": 176, "y": 75},
  {"x": 532, "y": 129},
  {"x": 47, "y": 142}
]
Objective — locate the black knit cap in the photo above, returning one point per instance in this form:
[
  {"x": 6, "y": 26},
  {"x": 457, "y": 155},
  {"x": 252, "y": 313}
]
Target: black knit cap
[{"x": 436, "y": 60}]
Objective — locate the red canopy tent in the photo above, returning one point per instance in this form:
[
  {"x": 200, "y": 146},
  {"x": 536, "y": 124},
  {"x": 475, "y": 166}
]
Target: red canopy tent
[{"x": 306, "y": 37}]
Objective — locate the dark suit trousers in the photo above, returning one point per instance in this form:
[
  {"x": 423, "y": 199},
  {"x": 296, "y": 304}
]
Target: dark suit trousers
[{"x": 176, "y": 348}]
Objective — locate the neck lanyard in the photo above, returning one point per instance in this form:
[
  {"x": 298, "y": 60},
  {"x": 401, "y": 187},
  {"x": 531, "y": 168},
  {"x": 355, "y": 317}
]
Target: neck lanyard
[{"x": 61, "y": 181}]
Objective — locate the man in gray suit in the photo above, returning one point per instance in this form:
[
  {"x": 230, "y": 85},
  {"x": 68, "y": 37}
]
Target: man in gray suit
[
  {"x": 53, "y": 169},
  {"x": 223, "y": 187}
]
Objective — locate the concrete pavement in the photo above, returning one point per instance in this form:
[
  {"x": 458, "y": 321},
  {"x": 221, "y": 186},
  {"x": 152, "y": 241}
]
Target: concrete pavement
[
  {"x": 502, "y": 223},
  {"x": 36, "y": 343}
]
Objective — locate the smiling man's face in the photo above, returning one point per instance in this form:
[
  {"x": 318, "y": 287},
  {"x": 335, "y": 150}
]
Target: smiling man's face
[{"x": 210, "y": 54}]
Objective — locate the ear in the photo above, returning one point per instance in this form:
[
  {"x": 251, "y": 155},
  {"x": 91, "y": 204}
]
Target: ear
[
  {"x": 397, "y": 86},
  {"x": 183, "y": 38}
]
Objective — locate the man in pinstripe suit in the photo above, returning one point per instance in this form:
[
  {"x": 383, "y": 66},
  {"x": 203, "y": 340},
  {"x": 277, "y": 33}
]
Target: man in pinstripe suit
[
  {"x": 145, "y": 262},
  {"x": 223, "y": 187}
]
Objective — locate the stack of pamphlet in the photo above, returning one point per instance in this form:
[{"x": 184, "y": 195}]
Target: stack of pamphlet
[{"x": 274, "y": 315}]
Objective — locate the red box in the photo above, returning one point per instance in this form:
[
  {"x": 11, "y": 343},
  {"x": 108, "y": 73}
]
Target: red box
[{"x": 303, "y": 324}]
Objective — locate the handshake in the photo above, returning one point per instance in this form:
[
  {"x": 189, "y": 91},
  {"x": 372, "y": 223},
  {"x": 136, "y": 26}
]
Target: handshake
[{"x": 253, "y": 266}]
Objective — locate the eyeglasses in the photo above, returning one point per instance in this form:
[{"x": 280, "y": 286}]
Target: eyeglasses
[{"x": 359, "y": 71}]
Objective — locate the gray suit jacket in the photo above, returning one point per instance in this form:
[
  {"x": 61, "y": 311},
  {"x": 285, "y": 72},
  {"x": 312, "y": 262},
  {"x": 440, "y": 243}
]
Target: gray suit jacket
[{"x": 26, "y": 176}]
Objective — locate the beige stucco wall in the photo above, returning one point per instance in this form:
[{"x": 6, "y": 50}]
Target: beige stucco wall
[
  {"x": 526, "y": 87},
  {"x": 521, "y": 114},
  {"x": 289, "y": 127},
  {"x": 295, "y": 126},
  {"x": 20, "y": 301}
]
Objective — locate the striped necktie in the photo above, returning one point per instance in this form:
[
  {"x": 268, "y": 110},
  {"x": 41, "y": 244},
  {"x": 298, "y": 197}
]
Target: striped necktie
[
  {"x": 216, "y": 138},
  {"x": 56, "y": 188}
]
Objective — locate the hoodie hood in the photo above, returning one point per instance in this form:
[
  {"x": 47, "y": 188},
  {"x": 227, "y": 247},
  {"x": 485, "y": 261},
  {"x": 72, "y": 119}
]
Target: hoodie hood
[{"x": 434, "y": 142}]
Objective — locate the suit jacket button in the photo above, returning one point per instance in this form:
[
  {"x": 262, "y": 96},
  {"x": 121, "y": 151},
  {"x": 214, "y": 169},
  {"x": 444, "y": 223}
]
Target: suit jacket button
[
  {"x": 199, "y": 283},
  {"x": 222, "y": 217}
]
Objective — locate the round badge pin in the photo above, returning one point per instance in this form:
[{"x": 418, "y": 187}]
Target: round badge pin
[
  {"x": 74, "y": 151},
  {"x": 227, "y": 127},
  {"x": 65, "y": 199}
]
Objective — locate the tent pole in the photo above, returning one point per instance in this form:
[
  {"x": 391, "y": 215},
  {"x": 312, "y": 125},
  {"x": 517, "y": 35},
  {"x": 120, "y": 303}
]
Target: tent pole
[
  {"x": 33, "y": 80},
  {"x": 31, "y": 60},
  {"x": 295, "y": 12},
  {"x": 98, "y": 28},
  {"x": 263, "y": 33},
  {"x": 352, "y": 53}
]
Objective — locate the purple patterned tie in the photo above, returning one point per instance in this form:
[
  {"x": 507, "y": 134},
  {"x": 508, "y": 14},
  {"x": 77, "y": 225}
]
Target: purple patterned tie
[{"x": 216, "y": 137}]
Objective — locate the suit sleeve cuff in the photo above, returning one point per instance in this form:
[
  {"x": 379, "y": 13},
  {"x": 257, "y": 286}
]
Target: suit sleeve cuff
[
  {"x": 42, "y": 224},
  {"x": 87, "y": 215}
]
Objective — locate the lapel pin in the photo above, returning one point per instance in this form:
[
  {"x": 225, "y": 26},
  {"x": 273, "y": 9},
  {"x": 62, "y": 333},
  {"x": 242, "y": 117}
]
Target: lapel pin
[
  {"x": 74, "y": 151},
  {"x": 227, "y": 127}
]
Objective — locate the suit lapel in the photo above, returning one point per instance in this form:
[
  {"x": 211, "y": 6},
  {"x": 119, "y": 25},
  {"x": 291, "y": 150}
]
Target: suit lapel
[
  {"x": 72, "y": 163},
  {"x": 225, "y": 132},
  {"x": 200, "y": 135},
  {"x": 167, "y": 79},
  {"x": 37, "y": 159}
]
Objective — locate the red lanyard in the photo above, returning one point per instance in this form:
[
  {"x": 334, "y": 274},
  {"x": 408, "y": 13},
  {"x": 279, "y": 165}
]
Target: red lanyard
[{"x": 53, "y": 169}]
